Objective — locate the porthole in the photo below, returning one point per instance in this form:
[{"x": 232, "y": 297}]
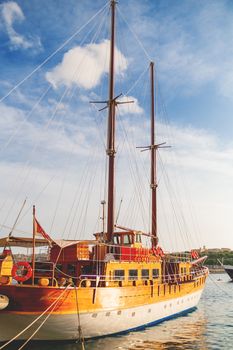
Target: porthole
[
  {"x": 108, "y": 313},
  {"x": 94, "y": 315},
  {"x": 118, "y": 312}
]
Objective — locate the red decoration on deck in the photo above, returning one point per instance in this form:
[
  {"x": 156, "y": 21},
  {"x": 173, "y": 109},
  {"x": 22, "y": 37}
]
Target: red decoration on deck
[{"x": 134, "y": 254}]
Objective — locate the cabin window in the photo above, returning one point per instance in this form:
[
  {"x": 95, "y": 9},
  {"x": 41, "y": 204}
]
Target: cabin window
[
  {"x": 126, "y": 239},
  {"x": 155, "y": 273},
  {"x": 145, "y": 274},
  {"x": 133, "y": 275},
  {"x": 138, "y": 238},
  {"x": 182, "y": 270},
  {"x": 116, "y": 239},
  {"x": 71, "y": 269},
  {"x": 119, "y": 275},
  {"x": 86, "y": 270}
]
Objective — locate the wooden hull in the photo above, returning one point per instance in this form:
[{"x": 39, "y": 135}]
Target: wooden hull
[{"x": 103, "y": 311}]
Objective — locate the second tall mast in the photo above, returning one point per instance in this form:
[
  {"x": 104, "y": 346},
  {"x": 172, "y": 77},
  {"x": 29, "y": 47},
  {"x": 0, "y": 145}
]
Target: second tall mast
[
  {"x": 153, "y": 148},
  {"x": 111, "y": 130}
]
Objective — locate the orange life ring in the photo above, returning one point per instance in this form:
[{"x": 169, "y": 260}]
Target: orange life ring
[{"x": 18, "y": 277}]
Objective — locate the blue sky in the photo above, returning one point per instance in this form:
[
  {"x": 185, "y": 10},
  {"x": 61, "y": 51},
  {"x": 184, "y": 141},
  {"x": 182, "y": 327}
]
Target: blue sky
[{"x": 45, "y": 145}]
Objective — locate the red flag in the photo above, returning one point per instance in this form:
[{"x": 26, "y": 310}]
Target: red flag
[
  {"x": 39, "y": 230},
  {"x": 194, "y": 254}
]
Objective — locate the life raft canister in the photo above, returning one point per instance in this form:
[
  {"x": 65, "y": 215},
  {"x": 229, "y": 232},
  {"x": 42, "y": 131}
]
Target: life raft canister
[{"x": 21, "y": 277}]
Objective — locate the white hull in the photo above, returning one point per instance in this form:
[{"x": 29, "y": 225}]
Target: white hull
[{"x": 65, "y": 327}]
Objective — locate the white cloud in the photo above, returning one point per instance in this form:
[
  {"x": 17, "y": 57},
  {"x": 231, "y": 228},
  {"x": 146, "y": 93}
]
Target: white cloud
[
  {"x": 192, "y": 46},
  {"x": 196, "y": 156},
  {"x": 11, "y": 12},
  {"x": 129, "y": 107},
  {"x": 195, "y": 186},
  {"x": 85, "y": 66},
  {"x": 54, "y": 136},
  {"x": 198, "y": 150}
]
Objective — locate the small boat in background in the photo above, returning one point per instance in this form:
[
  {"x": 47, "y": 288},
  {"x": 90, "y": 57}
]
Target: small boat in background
[{"x": 228, "y": 269}]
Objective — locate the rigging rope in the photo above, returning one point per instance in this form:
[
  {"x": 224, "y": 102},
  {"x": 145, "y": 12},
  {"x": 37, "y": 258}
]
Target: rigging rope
[
  {"x": 55, "y": 52},
  {"x": 19, "y": 126},
  {"x": 136, "y": 37},
  {"x": 38, "y": 328}
]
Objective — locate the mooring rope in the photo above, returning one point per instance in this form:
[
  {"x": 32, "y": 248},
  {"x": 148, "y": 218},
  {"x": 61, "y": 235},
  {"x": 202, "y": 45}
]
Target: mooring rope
[
  {"x": 42, "y": 323},
  {"x": 25, "y": 329},
  {"x": 81, "y": 338}
]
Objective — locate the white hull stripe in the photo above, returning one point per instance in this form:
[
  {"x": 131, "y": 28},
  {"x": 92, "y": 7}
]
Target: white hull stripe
[{"x": 153, "y": 323}]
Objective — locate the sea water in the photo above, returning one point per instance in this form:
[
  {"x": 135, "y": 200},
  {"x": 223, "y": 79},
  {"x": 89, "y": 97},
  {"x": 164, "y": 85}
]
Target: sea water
[{"x": 210, "y": 326}]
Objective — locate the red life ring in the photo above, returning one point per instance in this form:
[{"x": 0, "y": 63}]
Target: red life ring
[{"x": 18, "y": 277}]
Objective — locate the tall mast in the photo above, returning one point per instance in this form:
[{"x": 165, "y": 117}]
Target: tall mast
[
  {"x": 153, "y": 148},
  {"x": 111, "y": 130}
]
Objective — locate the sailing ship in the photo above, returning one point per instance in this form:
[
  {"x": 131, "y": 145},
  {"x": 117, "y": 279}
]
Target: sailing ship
[{"x": 108, "y": 285}]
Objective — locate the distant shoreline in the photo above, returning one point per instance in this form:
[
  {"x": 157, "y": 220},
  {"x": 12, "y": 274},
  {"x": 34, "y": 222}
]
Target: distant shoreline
[{"x": 216, "y": 269}]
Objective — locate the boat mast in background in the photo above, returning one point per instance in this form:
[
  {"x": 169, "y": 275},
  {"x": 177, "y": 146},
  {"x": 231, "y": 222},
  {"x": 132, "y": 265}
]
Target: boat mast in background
[{"x": 111, "y": 130}]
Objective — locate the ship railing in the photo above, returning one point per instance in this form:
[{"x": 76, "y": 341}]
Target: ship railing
[
  {"x": 45, "y": 269},
  {"x": 106, "y": 280},
  {"x": 178, "y": 257},
  {"x": 182, "y": 277},
  {"x": 202, "y": 271},
  {"x": 111, "y": 252}
]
